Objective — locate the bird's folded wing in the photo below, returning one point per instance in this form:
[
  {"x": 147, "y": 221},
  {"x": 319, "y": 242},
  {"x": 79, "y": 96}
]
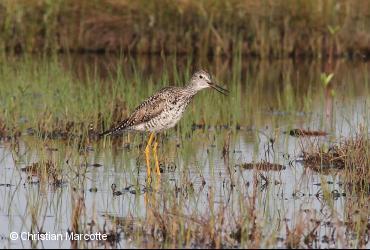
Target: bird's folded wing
[{"x": 147, "y": 110}]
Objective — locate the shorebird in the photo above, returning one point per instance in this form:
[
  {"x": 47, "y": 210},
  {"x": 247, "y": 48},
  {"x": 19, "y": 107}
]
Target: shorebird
[{"x": 163, "y": 110}]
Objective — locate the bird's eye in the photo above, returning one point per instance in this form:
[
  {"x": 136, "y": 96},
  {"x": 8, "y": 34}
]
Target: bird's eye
[{"x": 201, "y": 77}]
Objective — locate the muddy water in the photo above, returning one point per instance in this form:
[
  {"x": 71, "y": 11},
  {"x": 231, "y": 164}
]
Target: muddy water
[{"x": 197, "y": 174}]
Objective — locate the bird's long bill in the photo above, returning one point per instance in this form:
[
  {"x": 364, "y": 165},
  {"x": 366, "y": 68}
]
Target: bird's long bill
[{"x": 219, "y": 89}]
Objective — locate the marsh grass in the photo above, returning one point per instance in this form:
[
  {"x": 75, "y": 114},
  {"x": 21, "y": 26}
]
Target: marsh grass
[
  {"x": 53, "y": 99},
  {"x": 350, "y": 155},
  {"x": 258, "y": 28},
  {"x": 206, "y": 201},
  {"x": 348, "y": 160},
  {"x": 41, "y": 97}
]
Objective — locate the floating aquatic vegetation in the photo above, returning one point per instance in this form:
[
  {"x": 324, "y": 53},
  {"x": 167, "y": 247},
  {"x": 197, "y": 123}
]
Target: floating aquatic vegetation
[
  {"x": 131, "y": 189},
  {"x": 46, "y": 170},
  {"x": 169, "y": 167},
  {"x": 262, "y": 166},
  {"x": 302, "y": 133}
]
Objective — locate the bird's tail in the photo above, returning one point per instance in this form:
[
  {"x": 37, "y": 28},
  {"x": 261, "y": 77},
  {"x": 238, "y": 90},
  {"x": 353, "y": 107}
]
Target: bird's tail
[{"x": 115, "y": 130}]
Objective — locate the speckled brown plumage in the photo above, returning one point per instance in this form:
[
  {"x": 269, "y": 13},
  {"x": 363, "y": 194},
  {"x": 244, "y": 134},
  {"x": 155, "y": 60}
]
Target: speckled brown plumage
[{"x": 165, "y": 108}]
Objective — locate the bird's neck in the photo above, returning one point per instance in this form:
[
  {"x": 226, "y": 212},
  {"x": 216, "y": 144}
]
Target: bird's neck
[{"x": 190, "y": 89}]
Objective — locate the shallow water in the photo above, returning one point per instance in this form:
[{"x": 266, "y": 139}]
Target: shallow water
[{"x": 201, "y": 180}]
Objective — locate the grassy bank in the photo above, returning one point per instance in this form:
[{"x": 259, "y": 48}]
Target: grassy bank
[{"x": 259, "y": 28}]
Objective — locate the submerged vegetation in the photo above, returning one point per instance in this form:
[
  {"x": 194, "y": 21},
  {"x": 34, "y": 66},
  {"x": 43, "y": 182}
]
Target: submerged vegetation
[{"x": 282, "y": 28}]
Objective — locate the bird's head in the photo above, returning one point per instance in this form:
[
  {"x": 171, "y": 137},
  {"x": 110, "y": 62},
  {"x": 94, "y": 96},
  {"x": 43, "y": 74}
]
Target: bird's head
[{"x": 201, "y": 80}]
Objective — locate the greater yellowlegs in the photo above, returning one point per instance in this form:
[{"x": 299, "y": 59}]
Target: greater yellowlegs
[{"x": 163, "y": 110}]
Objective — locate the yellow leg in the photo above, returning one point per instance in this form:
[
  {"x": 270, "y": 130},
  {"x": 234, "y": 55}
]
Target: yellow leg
[
  {"x": 147, "y": 151},
  {"x": 156, "y": 158}
]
